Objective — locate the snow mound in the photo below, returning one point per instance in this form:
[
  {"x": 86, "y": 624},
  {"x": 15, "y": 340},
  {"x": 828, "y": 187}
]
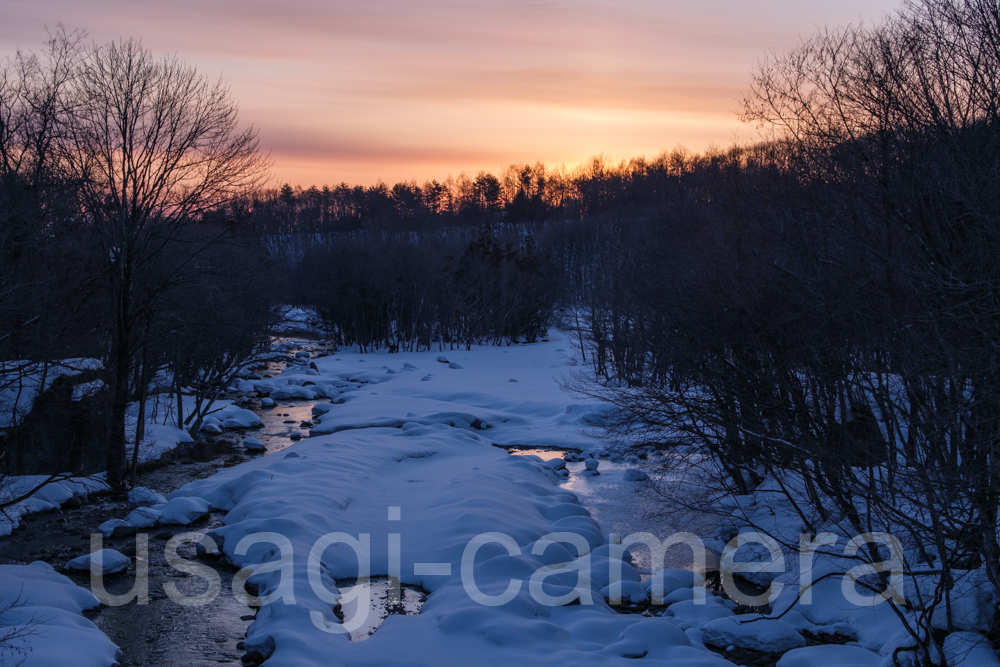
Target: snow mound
[
  {"x": 184, "y": 511},
  {"x": 143, "y": 517},
  {"x": 140, "y": 496},
  {"x": 969, "y": 649},
  {"x": 52, "y": 605},
  {"x": 108, "y": 527},
  {"x": 253, "y": 445},
  {"x": 108, "y": 561},
  {"x": 830, "y": 656},
  {"x": 752, "y": 631},
  {"x": 633, "y": 475}
]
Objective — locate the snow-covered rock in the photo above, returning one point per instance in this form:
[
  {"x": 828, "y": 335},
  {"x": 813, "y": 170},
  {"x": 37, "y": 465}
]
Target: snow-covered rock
[
  {"x": 267, "y": 402},
  {"x": 107, "y": 561},
  {"x": 752, "y": 631},
  {"x": 454, "y": 365},
  {"x": 698, "y": 615},
  {"x": 633, "y": 475},
  {"x": 969, "y": 649},
  {"x": 253, "y": 445},
  {"x": 108, "y": 527},
  {"x": 631, "y": 591},
  {"x": 830, "y": 655},
  {"x": 184, "y": 511},
  {"x": 143, "y": 517},
  {"x": 140, "y": 496}
]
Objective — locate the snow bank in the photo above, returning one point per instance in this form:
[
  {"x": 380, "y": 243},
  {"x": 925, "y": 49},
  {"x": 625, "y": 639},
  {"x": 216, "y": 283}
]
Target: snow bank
[
  {"x": 53, "y": 607},
  {"x": 21, "y": 382},
  {"x": 49, "y": 497},
  {"x": 413, "y": 464}
]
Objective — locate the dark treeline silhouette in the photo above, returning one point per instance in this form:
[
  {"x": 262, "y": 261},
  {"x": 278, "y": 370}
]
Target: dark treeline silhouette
[
  {"x": 401, "y": 292},
  {"x": 520, "y": 194}
]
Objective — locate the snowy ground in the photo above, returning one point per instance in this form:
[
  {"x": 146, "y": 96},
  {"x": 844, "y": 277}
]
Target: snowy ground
[
  {"x": 405, "y": 455},
  {"x": 399, "y": 474}
]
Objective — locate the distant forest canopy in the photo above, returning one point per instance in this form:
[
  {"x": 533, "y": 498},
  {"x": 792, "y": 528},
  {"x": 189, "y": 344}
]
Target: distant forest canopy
[{"x": 522, "y": 193}]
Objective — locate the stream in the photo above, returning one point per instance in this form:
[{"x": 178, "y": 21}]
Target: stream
[{"x": 167, "y": 634}]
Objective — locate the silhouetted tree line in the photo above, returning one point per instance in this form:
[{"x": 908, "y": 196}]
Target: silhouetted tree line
[
  {"x": 520, "y": 194},
  {"x": 406, "y": 292}
]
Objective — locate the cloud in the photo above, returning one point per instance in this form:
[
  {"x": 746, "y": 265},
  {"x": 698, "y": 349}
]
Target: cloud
[{"x": 386, "y": 85}]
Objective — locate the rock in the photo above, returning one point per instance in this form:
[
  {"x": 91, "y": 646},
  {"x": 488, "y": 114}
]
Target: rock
[
  {"x": 753, "y": 631},
  {"x": 410, "y": 366},
  {"x": 295, "y": 435},
  {"x": 108, "y": 527},
  {"x": 254, "y": 376},
  {"x": 454, "y": 365},
  {"x": 592, "y": 464},
  {"x": 442, "y": 359},
  {"x": 969, "y": 649},
  {"x": 512, "y": 380},
  {"x": 108, "y": 561},
  {"x": 632, "y": 475},
  {"x": 252, "y": 657},
  {"x": 301, "y": 355},
  {"x": 267, "y": 403},
  {"x": 123, "y": 531},
  {"x": 143, "y": 517},
  {"x": 211, "y": 428},
  {"x": 231, "y": 423},
  {"x": 253, "y": 445},
  {"x": 184, "y": 511},
  {"x": 321, "y": 408},
  {"x": 832, "y": 654}
]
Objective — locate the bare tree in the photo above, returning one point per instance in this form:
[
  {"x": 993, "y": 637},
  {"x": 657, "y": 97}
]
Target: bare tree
[{"x": 152, "y": 146}]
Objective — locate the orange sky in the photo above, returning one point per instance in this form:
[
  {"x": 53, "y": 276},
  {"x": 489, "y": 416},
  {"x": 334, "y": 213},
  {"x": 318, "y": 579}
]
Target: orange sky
[{"x": 366, "y": 90}]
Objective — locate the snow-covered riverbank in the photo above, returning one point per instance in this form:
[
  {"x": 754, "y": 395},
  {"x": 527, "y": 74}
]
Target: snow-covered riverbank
[{"x": 404, "y": 454}]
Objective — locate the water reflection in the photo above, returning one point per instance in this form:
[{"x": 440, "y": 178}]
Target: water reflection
[{"x": 627, "y": 507}]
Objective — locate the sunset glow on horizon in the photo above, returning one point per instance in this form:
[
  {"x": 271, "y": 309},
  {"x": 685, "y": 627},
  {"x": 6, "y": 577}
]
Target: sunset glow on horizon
[{"x": 395, "y": 90}]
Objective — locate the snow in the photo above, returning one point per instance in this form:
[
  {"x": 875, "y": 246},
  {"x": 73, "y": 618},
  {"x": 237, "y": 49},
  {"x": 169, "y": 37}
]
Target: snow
[
  {"x": 253, "y": 445},
  {"x": 53, "y": 607},
  {"x": 48, "y": 497},
  {"x": 830, "y": 656},
  {"x": 21, "y": 381},
  {"x": 969, "y": 649},
  {"x": 183, "y": 511},
  {"x": 752, "y": 631},
  {"x": 107, "y": 561},
  {"x": 108, "y": 527},
  {"x": 414, "y": 461},
  {"x": 140, "y": 496}
]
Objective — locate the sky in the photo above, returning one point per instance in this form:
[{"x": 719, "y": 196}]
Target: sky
[{"x": 368, "y": 90}]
